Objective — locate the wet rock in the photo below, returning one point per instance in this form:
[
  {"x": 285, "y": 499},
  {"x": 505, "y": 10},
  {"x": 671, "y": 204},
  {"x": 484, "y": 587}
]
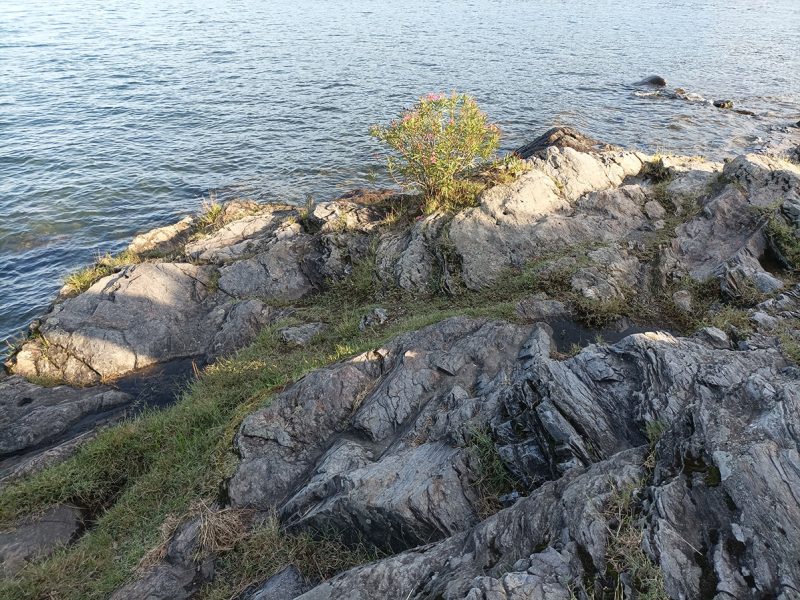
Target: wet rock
[
  {"x": 653, "y": 80},
  {"x": 163, "y": 240},
  {"x": 38, "y": 536},
  {"x": 374, "y": 318},
  {"x": 560, "y": 137},
  {"x": 301, "y": 335},
  {"x": 32, "y": 415},
  {"x": 726, "y": 104}
]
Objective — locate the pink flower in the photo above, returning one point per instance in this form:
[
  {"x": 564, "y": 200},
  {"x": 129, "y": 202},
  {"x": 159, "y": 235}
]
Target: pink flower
[{"x": 433, "y": 159}]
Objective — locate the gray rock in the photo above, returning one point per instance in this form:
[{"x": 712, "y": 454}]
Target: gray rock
[
  {"x": 144, "y": 315},
  {"x": 276, "y": 272},
  {"x": 301, "y": 335},
  {"x": 505, "y": 548},
  {"x": 38, "y": 536},
  {"x": 560, "y": 137},
  {"x": 654, "y": 210},
  {"x": 244, "y": 236},
  {"x": 163, "y": 240},
  {"x": 346, "y": 214},
  {"x": 576, "y": 430},
  {"x": 715, "y": 337},
  {"x": 653, "y": 80},
  {"x": 540, "y": 307},
  {"x": 410, "y": 397},
  {"x": 374, "y": 318},
  {"x": 683, "y": 300},
  {"x": 32, "y": 415},
  {"x": 548, "y": 209},
  {"x": 178, "y": 576},
  {"x": 413, "y": 258},
  {"x": 287, "y": 584}
]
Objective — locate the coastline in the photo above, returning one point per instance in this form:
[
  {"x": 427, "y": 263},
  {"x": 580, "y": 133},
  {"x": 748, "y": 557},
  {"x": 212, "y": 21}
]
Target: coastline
[{"x": 353, "y": 339}]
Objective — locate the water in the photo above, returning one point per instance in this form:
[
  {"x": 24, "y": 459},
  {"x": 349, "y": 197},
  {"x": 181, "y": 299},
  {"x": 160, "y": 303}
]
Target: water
[{"x": 120, "y": 116}]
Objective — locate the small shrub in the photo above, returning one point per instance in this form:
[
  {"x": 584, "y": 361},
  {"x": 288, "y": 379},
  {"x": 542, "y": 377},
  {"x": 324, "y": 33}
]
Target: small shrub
[{"x": 440, "y": 142}]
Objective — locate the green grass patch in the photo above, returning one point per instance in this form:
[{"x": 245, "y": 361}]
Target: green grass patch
[
  {"x": 108, "y": 264},
  {"x": 495, "y": 479}
]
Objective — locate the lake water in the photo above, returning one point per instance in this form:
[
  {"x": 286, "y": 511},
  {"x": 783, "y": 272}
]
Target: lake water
[{"x": 120, "y": 116}]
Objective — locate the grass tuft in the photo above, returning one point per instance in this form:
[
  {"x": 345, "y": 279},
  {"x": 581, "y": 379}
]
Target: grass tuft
[{"x": 108, "y": 264}]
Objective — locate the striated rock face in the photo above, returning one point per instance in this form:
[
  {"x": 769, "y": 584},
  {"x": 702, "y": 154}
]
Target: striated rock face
[
  {"x": 536, "y": 214},
  {"x": 673, "y": 455},
  {"x": 374, "y": 447},
  {"x": 719, "y": 505},
  {"x": 31, "y": 415}
]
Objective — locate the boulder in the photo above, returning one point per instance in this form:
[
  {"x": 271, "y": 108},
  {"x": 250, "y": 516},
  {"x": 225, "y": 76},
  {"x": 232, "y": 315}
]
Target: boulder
[
  {"x": 301, "y": 335},
  {"x": 560, "y": 137},
  {"x": 566, "y": 199},
  {"x": 147, "y": 314}
]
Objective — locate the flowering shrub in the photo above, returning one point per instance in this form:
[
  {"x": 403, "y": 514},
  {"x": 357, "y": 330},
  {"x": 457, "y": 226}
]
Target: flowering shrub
[{"x": 440, "y": 141}]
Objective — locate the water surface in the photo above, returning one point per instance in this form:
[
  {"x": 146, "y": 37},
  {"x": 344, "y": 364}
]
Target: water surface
[{"x": 117, "y": 117}]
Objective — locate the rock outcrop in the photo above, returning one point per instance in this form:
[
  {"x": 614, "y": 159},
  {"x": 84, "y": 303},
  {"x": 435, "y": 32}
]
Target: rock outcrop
[{"x": 660, "y": 465}]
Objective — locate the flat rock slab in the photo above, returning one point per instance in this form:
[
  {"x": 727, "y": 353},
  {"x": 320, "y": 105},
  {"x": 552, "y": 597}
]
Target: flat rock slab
[
  {"x": 144, "y": 315},
  {"x": 32, "y": 415},
  {"x": 38, "y": 536}
]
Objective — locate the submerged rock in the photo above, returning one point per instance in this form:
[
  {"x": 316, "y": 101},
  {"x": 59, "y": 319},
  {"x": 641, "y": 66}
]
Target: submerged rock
[
  {"x": 653, "y": 80},
  {"x": 560, "y": 137}
]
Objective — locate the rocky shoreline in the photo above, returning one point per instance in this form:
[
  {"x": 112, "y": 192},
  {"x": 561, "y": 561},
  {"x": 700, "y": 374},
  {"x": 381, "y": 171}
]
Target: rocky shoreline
[{"x": 604, "y": 405}]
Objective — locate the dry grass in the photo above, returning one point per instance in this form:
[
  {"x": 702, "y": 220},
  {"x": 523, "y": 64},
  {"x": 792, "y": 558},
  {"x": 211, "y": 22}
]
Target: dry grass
[
  {"x": 267, "y": 549},
  {"x": 624, "y": 553}
]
